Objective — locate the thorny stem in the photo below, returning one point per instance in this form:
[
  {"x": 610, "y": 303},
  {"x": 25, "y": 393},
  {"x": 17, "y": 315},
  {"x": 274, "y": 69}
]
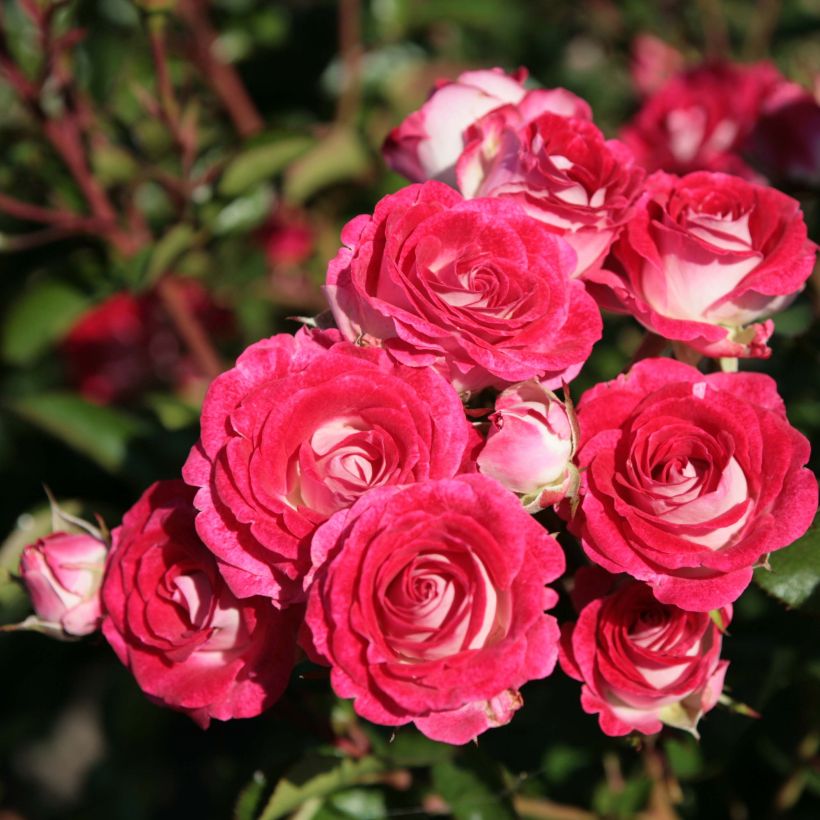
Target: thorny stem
[{"x": 222, "y": 77}]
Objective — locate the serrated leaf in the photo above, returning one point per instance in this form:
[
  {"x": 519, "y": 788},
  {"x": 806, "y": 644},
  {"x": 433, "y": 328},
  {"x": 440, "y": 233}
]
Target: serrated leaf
[
  {"x": 473, "y": 788},
  {"x": 38, "y": 318},
  {"x": 319, "y": 778},
  {"x": 794, "y": 577},
  {"x": 103, "y": 434},
  {"x": 339, "y": 157},
  {"x": 261, "y": 162}
]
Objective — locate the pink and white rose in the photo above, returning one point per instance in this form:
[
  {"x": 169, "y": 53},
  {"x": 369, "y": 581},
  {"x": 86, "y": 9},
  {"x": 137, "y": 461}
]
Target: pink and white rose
[
  {"x": 530, "y": 446},
  {"x": 689, "y": 480},
  {"x": 643, "y": 664},
  {"x": 705, "y": 258},
  {"x": 62, "y": 573},
  {"x": 428, "y": 143},
  {"x": 428, "y": 602},
  {"x": 474, "y": 288}
]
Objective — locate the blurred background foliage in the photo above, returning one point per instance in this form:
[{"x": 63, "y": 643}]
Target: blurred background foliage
[{"x": 212, "y": 193}]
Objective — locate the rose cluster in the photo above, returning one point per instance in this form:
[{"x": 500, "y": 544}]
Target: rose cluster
[{"x": 365, "y": 494}]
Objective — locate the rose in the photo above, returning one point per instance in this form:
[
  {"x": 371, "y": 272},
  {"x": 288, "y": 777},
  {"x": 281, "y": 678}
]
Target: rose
[
  {"x": 428, "y": 603},
  {"x": 62, "y": 573},
  {"x": 428, "y": 143},
  {"x": 126, "y": 344},
  {"x": 643, "y": 663},
  {"x": 785, "y": 141},
  {"x": 190, "y": 644},
  {"x": 287, "y": 237},
  {"x": 530, "y": 445},
  {"x": 300, "y": 428},
  {"x": 654, "y": 62},
  {"x": 563, "y": 173},
  {"x": 700, "y": 119},
  {"x": 687, "y": 480},
  {"x": 475, "y": 288},
  {"x": 705, "y": 257}
]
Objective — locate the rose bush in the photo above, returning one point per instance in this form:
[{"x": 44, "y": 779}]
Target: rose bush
[
  {"x": 688, "y": 480},
  {"x": 428, "y": 603},
  {"x": 706, "y": 256},
  {"x": 428, "y": 143},
  {"x": 299, "y": 429},
  {"x": 169, "y": 616},
  {"x": 643, "y": 664},
  {"x": 562, "y": 171},
  {"x": 473, "y": 287},
  {"x": 530, "y": 445},
  {"x": 62, "y": 573}
]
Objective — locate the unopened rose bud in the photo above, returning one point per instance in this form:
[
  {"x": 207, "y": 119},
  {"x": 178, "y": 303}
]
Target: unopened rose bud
[
  {"x": 63, "y": 573},
  {"x": 530, "y": 445}
]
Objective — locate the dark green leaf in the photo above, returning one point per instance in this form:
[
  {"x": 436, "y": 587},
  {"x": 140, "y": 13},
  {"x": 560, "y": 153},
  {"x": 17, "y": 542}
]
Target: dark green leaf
[
  {"x": 38, "y": 318},
  {"x": 473, "y": 788},
  {"x": 249, "y": 798},
  {"x": 794, "y": 578},
  {"x": 261, "y": 163}
]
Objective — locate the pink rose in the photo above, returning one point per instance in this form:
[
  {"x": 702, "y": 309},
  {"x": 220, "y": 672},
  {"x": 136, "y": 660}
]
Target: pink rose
[
  {"x": 428, "y": 603},
  {"x": 190, "y": 644},
  {"x": 700, "y": 119},
  {"x": 473, "y": 287},
  {"x": 530, "y": 446},
  {"x": 785, "y": 142},
  {"x": 562, "y": 172},
  {"x": 687, "y": 480},
  {"x": 706, "y": 257},
  {"x": 654, "y": 62},
  {"x": 300, "y": 428},
  {"x": 287, "y": 237},
  {"x": 62, "y": 573},
  {"x": 428, "y": 143},
  {"x": 643, "y": 664}
]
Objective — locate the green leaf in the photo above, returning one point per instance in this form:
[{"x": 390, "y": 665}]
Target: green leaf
[
  {"x": 167, "y": 251},
  {"x": 794, "y": 577},
  {"x": 319, "y": 777},
  {"x": 249, "y": 798},
  {"x": 261, "y": 162},
  {"x": 339, "y": 157},
  {"x": 38, "y": 318},
  {"x": 473, "y": 788},
  {"x": 245, "y": 212},
  {"x": 103, "y": 434}
]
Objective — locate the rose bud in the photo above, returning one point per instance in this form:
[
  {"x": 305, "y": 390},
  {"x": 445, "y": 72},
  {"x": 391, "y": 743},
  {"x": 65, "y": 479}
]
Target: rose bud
[
  {"x": 473, "y": 287},
  {"x": 170, "y": 618},
  {"x": 428, "y": 143},
  {"x": 562, "y": 172},
  {"x": 700, "y": 119},
  {"x": 688, "y": 480},
  {"x": 287, "y": 238},
  {"x": 707, "y": 256},
  {"x": 644, "y": 664},
  {"x": 530, "y": 445},
  {"x": 62, "y": 573},
  {"x": 427, "y": 601}
]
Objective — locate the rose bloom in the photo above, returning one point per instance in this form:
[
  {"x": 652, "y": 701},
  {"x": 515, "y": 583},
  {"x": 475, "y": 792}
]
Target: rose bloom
[
  {"x": 688, "y": 480},
  {"x": 62, "y": 573},
  {"x": 654, "y": 62},
  {"x": 300, "y": 428},
  {"x": 700, "y": 119},
  {"x": 530, "y": 445},
  {"x": 287, "y": 237},
  {"x": 563, "y": 173},
  {"x": 644, "y": 664},
  {"x": 126, "y": 344},
  {"x": 428, "y": 603},
  {"x": 473, "y": 287},
  {"x": 428, "y": 143},
  {"x": 190, "y": 644},
  {"x": 705, "y": 258},
  {"x": 785, "y": 142}
]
